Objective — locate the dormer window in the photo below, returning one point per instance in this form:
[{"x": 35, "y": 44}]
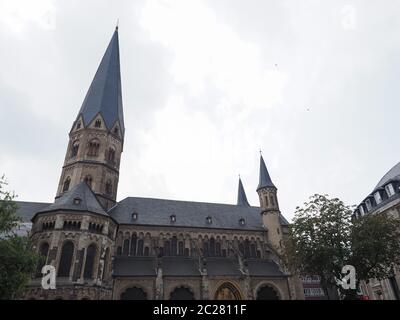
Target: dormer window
[
  {"x": 242, "y": 222},
  {"x": 134, "y": 216},
  {"x": 78, "y": 125},
  {"x": 389, "y": 190},
  {"x": 77, "y": 201},
  {"x": 116, "y": 131},
  {"x": 209, "y": 220},
  {"x": 377, "y": 197},
  {"x": 173, "y": 218},
  {"x": 368, "y": 204},
  {"x": 97, "y": 124},
  {"x": 362, "y": 212}
]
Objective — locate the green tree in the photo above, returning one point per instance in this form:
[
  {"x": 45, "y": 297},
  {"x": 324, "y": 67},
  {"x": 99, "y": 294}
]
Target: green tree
[
  {"x": 318, "y": 243},
  {"x": 323, "y": 238},
  {"x": 17, "y": 260}
]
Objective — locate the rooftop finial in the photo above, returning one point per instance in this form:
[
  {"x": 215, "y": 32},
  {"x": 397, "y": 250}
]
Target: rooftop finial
[
  {"x": 260, "y": 152},
  {"x": 116, "y": 27}
]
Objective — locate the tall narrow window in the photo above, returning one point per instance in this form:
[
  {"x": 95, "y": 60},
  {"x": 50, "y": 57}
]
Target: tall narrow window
[
  {"x": 271, "y": 197},
  {"x": 43, "y": 251},
  {"x": 140, "y": 248},
  {"x": 218, "y": 249},
  {"x": 111, "y": 155},
  {"x": 67, "y": 252},
  {"x": 74, "y": 149},
  {"x": 88, "y": 180},
  {"x": 361, "y": 208},
  {"x": 167, "y": 248},
  {"x": 97, "y": 124},
  {"x": 125, "y": 249},
  {"x": 180, "y": 248},
  {"x": 94, "y": 146},
  {"x": 109, "y": 187},
  {"x": 66, "y": 184},
  {"x": 377, "y": 197},
  {"x": 389, "y": 190},
  {"x": 368, "y": 204},
  {"x": 253, "y": 251},
  {"x": 89, "y": 263},
  {"x": 212, "y": 247},
  {"x": 133, "y": 245},
  {"x": 174, "y": 244},
  {"x": 247, "y": 248},
  {"x": 266, "y": 201},
  {"x": 206, "y": 248}
]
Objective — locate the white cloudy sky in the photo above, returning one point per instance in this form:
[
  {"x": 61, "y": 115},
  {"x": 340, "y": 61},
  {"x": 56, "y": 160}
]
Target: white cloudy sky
[{"x": 206, "y": 84}]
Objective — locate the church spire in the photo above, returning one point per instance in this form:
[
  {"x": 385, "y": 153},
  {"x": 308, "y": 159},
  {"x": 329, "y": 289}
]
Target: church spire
[
  {"x": 241, "y": 199},
  {"x": 265, "y": 179},
  {"x": 104, "y": 95}
]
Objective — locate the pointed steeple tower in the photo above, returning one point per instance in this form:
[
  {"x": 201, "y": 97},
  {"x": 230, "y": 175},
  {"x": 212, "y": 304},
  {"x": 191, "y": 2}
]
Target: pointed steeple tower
[
  {"x": 104, "y": 96},
  {"x": 265, "y": 179},
  {"x": 97, "y": 135},
  {"x": 241, "y": 199},
  {"x": 267, "y": 193}
]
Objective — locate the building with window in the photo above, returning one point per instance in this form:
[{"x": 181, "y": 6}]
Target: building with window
[
  {"x": 144, "y": 248},
  {"x": 384, "y": 198}
]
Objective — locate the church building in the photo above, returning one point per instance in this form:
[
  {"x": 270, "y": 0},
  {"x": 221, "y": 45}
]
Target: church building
[{"x": 145, "y": 248}]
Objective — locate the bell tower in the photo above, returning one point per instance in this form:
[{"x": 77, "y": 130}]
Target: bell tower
[
  {"x": 97, "y": 135},
  {"x": 269, "y": 205}
]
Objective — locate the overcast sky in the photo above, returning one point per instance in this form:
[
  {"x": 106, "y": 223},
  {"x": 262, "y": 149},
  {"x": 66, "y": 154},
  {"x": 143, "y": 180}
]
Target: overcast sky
[{"x": 206, "y": 84}]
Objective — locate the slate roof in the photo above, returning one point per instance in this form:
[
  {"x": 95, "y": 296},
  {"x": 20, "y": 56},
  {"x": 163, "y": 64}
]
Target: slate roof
[
  {"x": 264, "y": 178},
  {"x": 104, "y": 95},
  {"x": 392, "y": 174},
  {"x": 67, "y": 201},
  {"x": 188, "y": 214},
  {"x": 125, "y": 266},
  {"x": 242, "y": 199},
  {"x": 26, "y": 210},
  {"x": 259, "y": 267}
]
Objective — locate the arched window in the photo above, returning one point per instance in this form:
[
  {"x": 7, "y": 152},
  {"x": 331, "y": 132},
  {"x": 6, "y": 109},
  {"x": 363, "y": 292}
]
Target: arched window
[
  {"x": 266, "y": 201},
  {"x": 65, "y": 264},
  {"x": 43, "y": 251},
  {"x": 253, "y": 250},
  {"x": 78, "y": 125},
  {"x": 227, "y": 291},
  {"x": 133, "y": 245},
  {"x": 88, "y": 180},
  {"x": 94, "y": 146},
  {"x": 241, "y": 248},
  {"x": 174, "y": 244},
  {"x": 182, "y": 293},
  {"x": 67, "y": 181},
  {"x": 180, "y": 248},
  {"x": 267, "y": 293},
  {"x": 111, "y": 155},
  {"x": 89, "y": 263},
  {"x": 116, "y": 131},
  {"x": 212, "y": 247},
  {"x": 74, "y": 149},
  {"x": 186, "y": 252},
  {"x": 125, "y": 250},
  {"x": 140, "y": 247},
  {"x": 97, "y": 124},
  {"x": 109, "y": 187},
  {"x": 167, "y": 248},
  {"x": 247, "y": 248},
  {"x": 271, "y": 197},
  {"x": 134, "y": 293},
  {"x": 205, "y": 249},
  {"x": 218, "y": 249}
]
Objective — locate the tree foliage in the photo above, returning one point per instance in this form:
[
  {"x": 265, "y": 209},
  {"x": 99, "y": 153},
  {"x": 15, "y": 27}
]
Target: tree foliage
[
  {"x": 17, "y": 260},
  {"x": 324, "y": 238}
]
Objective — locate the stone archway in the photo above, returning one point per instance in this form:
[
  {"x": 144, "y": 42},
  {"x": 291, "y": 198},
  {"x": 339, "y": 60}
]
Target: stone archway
[
  {"x": 182, "y": 293},
  {"x": 134, "y": 293},
  {"x": 227, "y": 291},
  {"x": 267, "y": 292}
]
